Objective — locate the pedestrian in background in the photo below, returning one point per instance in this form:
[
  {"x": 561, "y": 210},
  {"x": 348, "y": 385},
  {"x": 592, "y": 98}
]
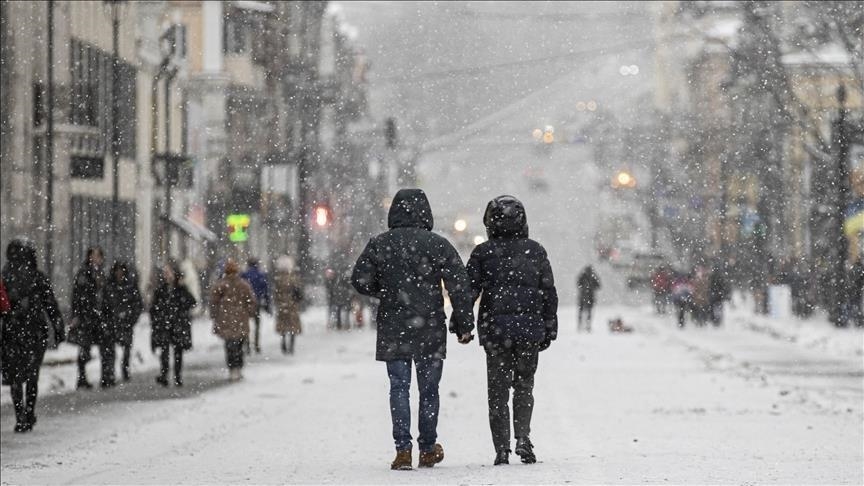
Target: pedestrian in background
[
  {"x": 700, "y": 283},
  {"x": 682, "y": 296},
  {"x": 171, "y": 322},
  {"x": 404, "y": 268},
  {"x": 588, "y": 283},
  {"x": 85, "y": 330},
  {"x": 232, "y": 305},
  {"x": 258, "y": 281},
  {"x": 122, "y": 306},
  {"x": 30, "y": 316},
  {"x": 661, "y": 282},
  {"x": 288, "y": 294},
  {"x": 511, "y": 275},
  {"x": 718, "y": 293}
]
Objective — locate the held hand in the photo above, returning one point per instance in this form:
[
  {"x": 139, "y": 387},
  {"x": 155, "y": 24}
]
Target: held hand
[
  {"x": 466, "y": 338},
  {"x": 59, "y": 338}
]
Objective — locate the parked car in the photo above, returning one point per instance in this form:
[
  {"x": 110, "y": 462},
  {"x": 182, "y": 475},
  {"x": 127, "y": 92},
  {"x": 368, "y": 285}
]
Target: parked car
[{"x": 641, "y": 267}]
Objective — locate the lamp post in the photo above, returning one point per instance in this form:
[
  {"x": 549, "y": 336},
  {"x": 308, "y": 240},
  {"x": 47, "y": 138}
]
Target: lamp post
[
  {"x": 840, "y": 141},
  {"x": 49, "y": 148},
  {"x": 115, "y": 129}
]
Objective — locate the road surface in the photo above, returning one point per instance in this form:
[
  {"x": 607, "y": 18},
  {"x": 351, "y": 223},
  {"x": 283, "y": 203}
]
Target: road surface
[{"x": 660, "y": 405}]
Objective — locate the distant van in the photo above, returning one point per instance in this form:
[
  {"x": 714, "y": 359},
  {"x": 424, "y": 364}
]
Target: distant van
[{"x": 641, "y": 268}]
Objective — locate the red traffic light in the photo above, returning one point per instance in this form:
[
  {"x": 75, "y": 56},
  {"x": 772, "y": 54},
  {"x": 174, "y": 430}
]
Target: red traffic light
[{"x": 322, "y": 215}]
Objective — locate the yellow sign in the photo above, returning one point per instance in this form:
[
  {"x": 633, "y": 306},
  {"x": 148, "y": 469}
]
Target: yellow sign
[{"x": 238, "y": 227}]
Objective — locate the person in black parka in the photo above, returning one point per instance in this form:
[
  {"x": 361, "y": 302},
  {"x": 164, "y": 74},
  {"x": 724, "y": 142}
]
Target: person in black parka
[
  {"x": 404, "y": 268},
  {"x": 121, "y": 308},
  {"x": 170, "y": 322},
  {"x": 87, "y": 325},
  {"x": 26, "y": 327},
  {"x": 512, "y": 277}
]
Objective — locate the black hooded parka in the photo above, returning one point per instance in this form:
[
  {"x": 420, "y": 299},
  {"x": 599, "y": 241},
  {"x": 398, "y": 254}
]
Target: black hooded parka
[
  {"x": 34, "y": 315},
  {"x": 511, "y": 275},
  {"x": 404, "y": 268}
]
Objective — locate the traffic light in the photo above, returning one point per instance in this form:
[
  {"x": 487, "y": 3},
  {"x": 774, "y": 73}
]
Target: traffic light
[
  {"x": 238, "y": 227},
  {"x": 322, "y": 215},
  {"x": 390, "y": 133}
]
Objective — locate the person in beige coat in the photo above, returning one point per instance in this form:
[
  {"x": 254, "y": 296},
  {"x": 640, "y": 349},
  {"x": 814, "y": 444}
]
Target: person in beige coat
[
  {"x": 288, "y": 294},
  {"x": 232, "y": 304}
]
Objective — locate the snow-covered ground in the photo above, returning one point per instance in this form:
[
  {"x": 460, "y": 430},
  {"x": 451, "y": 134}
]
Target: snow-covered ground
[{"x": 660, "y": 405}]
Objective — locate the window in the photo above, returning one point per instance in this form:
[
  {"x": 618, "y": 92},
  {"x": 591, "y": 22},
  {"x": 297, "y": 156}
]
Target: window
[
  {"x": 38, "y": 104},
  {"x": 85, "y": 97},
  {"x": 126, "y": 109},
  {"x": 87, "y": 167},
  {"x": 90, "y": 95},
  {"x": 234, "y": 36}
]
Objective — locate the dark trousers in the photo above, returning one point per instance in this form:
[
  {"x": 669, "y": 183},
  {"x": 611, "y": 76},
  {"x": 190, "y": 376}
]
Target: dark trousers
[
  {"x": 510, "y": 367},
  {"x": 428, "y": 377},
  {"x": 84, "y": 357},
  {"x": 24, "y": 399},
  {"x": 587, "y": 308},
  {"x": 682, "y": 311},
  {"x": 288, "y": 343},
  {"x": 257, "y": 333},
  {"x": 164, "y": 363},
  {"x": 127, "y": 352},
  {"x": 234, "y": 353},
  {"x": 108, "y": 359}
]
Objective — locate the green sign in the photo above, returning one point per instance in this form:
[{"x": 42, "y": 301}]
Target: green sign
[{"x": 238, "y": 227}]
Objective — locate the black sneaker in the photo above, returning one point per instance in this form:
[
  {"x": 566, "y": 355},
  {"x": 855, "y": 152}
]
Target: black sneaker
[
  {"x": 525, "y": 450},
  {"x": 178, "y": 381},
  {"x": 162, "y": 380},
  {"x": 83, "y": 384},
  {"x": 502, "y": 457}
]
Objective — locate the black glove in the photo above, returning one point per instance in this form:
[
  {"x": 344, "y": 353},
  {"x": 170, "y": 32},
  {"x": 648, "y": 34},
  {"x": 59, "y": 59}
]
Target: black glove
[{"x": 546, "y": 342}]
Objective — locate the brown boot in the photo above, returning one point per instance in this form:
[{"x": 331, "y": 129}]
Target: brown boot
[
  {"x": 402, "y": 461},
  {"x": 429, "y": 459}
]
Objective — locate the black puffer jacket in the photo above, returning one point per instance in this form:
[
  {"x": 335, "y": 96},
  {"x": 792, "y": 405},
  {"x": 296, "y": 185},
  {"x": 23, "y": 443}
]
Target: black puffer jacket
[
  {"x": 121, "y": 306},
  {"x": 404, "y": 268},
  {"x": 87, "y": 306},
  {"x": 512, "y": 276},
  {"x": 33, "y": 315},
  {"x": 169, "y": 317}
]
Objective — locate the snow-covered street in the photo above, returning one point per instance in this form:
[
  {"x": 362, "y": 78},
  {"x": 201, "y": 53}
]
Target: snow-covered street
[{"x": 660, "y": 405}]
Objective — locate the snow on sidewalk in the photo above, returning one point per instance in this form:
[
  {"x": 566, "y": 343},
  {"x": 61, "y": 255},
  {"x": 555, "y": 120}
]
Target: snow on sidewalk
[
  {"x": 59, "y": 371},
  {"x": 624, "y": 409},
  {"x": 814, "y": 332}
]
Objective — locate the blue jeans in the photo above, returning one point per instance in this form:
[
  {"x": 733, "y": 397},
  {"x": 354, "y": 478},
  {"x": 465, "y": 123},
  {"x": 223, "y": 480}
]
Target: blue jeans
[{"x": 428, "y": 377}]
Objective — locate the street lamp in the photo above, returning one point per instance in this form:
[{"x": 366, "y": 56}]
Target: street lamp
[
  {"x": 623, "y": 179},
  {"x": 460, "y": 225}
]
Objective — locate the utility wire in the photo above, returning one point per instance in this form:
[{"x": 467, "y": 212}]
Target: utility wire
[{"x": 449, "y": 73}]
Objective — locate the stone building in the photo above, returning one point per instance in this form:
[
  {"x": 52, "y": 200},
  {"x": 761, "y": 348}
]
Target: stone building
[{"x": 74, "y": 187}]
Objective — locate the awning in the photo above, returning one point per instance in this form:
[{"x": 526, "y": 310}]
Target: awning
[
  {"x": 254, "y": 6},
  {"x": 192, "y": 229}
]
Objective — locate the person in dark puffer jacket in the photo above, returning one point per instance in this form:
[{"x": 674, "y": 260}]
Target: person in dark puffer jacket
[
  {"x": 512, "y": 277},
  {"x": 404, "y": 268},
  {"x": 25, "y": 329}
]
